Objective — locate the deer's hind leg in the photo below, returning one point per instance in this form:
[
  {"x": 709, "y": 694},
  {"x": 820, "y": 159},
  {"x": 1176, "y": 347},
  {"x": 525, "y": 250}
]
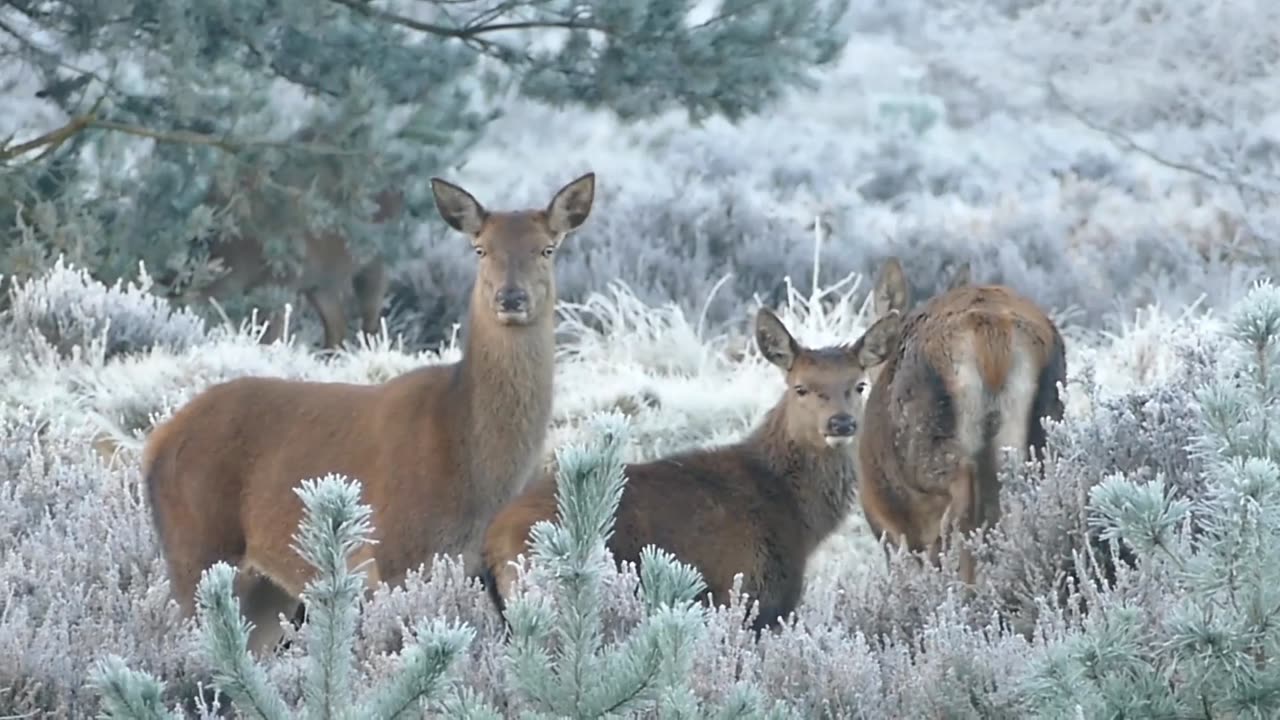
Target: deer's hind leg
[
  {"x": 961, "y": 515},
  {"x": 328, "y": 305},
  {"x": 370, "y": 285}
]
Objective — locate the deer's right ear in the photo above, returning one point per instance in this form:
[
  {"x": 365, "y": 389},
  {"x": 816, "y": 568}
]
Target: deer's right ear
[
  {"x": 774, "y": 340},
  {"x": 458, "y": 207},
  {"x": 891, "y": 291}
]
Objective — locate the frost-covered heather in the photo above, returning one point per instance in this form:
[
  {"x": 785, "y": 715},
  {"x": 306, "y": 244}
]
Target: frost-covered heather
[
  {"x": 934, "y": 138},
  {"x": 80, "y": 573}
]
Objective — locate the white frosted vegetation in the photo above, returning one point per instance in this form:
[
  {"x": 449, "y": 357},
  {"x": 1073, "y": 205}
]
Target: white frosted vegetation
[{"x": 81, "y": 572}]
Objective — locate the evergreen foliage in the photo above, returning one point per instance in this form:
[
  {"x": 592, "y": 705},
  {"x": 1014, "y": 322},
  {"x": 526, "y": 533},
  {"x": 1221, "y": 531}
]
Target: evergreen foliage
[
  {"x": 557, "y": 649},
  {"x": 1191, "y": 631},
  {"x": 335, "y": 524},
  {"x": 189, "y": 122}
]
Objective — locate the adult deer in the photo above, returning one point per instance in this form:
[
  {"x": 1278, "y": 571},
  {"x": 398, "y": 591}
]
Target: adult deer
[
  {"x": 438, "y": 450},
  {"x": 325, "y": 273},
  {"x": 976, "y": 369}
]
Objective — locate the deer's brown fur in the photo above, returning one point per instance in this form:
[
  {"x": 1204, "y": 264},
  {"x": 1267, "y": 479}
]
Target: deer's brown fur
[
  {"x": 438, "y": 450},
  {"x": 759, "y": 506},
  {"x": 977, "y": 368}
]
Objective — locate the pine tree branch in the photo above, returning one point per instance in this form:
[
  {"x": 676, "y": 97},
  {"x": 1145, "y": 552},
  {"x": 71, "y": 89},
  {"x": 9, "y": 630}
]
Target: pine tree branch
[
  {"x": 89, "y": 120},
  {"x": 467, "y": 32}
]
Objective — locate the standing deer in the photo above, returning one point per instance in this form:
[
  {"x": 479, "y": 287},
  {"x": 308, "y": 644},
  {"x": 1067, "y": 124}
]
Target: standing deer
[
  {"x": 977, "y": 368},
  {"x": 438, "y": 449},
  {"x": 327, "y": 271},
  {"x": 759, "y": 506}
]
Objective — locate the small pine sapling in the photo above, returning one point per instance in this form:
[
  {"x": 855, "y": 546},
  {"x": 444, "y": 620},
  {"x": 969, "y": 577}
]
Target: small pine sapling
[
  {"x": 557, "y": 655},
  {"x": 334, "y": 525}
]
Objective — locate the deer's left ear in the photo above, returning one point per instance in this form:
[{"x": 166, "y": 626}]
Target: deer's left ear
[{"x": 774, "y": 340}]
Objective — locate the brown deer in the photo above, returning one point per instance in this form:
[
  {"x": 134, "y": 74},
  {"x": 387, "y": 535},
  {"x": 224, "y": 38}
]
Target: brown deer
[
  {"x": 976, "y": 369},
  {"x": 438, "y": 450},
  {"x": 759, "y": 506},
  {"x": 326, "y": 272}
]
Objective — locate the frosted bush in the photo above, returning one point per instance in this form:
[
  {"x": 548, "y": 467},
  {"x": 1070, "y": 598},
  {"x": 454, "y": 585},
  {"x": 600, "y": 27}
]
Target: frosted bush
[{"x": 65, "y": 309}]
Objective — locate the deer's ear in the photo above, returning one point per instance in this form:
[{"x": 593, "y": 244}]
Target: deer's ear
[
  {"x": 572, "y": 204},
  {"x": 458, "y": 207},
  {"x": 879, "y": 341},
  {"x": 891, "y": 291},
  {"x": 774, "y": 340}
]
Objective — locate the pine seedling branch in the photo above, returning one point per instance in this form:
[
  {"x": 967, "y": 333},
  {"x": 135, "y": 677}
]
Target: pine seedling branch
[{"x": 335, "y": 524}]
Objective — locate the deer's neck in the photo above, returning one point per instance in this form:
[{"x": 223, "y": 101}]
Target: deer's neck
[
  {"x": 505, "y": 382},
  {"x": 821, "y": 479}
]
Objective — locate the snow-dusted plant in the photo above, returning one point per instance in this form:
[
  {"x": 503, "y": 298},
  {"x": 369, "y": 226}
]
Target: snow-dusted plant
[
  {"x": 558, "y": 658},
  {"x": 335, "y": 525},
  {"x": 1192, "y": 631},
  {"x": 66, "y": 308}
]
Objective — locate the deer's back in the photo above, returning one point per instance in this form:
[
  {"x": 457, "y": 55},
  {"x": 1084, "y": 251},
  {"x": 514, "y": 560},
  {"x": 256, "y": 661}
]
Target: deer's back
[
  {"x": 721, "y": 510},
  {"x": 326, "y": 262}
]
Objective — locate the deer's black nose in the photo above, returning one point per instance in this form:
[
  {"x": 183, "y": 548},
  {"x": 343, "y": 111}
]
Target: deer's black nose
[
  {"x": 842, "y": 425},
  {"x": 512, "y": 299}
]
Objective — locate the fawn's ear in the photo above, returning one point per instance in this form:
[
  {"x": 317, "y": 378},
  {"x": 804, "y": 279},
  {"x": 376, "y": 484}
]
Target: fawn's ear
[
  {"x": 572, "y": 204},
  {"x": 891, "y": 291},
  {"x": 879, "y": 341},
  {"x": 774, "y": 340},
  {"x": 458, "y": 207}
]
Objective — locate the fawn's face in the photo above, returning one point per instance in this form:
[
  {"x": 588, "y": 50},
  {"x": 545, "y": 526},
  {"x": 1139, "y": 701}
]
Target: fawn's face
[
  {"x": 515, "y": 250},
  {"x": 827, "y": 388}
]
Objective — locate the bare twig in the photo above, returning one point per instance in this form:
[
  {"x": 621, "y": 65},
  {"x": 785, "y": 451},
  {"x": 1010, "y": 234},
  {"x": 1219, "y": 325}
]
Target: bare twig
[{"x": 1125, "y": 142}]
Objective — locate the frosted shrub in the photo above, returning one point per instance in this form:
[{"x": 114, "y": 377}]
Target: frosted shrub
[
  {"x": 1191, "y": 632},
  {"x": 79, "y": 571},
  {"x": 66, "y": 308}
]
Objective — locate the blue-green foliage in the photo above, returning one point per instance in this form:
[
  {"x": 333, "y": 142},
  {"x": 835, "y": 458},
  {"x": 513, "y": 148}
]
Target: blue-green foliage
[
  {"x": 1191, "y": 631},
  {"x": 335, "y": 100},
  {"x": 558, "y": 654},
  {"x": 335, "y": 524}
]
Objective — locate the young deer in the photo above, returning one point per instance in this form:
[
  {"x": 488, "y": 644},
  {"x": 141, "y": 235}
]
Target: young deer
[
  {"x": 759, "y": 506},
  {"x": 326, "y": 273},
  {"x": 438, "y": 450},
  {"x": 976, "y": 370}
]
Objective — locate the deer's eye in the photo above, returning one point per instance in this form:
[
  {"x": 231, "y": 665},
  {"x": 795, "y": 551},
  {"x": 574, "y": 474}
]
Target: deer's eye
[
  {"x": 548, "y": 251},
  {"x": 862, "y": 386},
  {"x": 479, "y": 251},
  {"x": 801, "y": 390}
]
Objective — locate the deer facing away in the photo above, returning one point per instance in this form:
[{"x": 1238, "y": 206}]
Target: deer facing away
[
  {"x": 759, "y": 506},
  {"x": 438, "y": 450},
  {"x": 976, "y": 369}
]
